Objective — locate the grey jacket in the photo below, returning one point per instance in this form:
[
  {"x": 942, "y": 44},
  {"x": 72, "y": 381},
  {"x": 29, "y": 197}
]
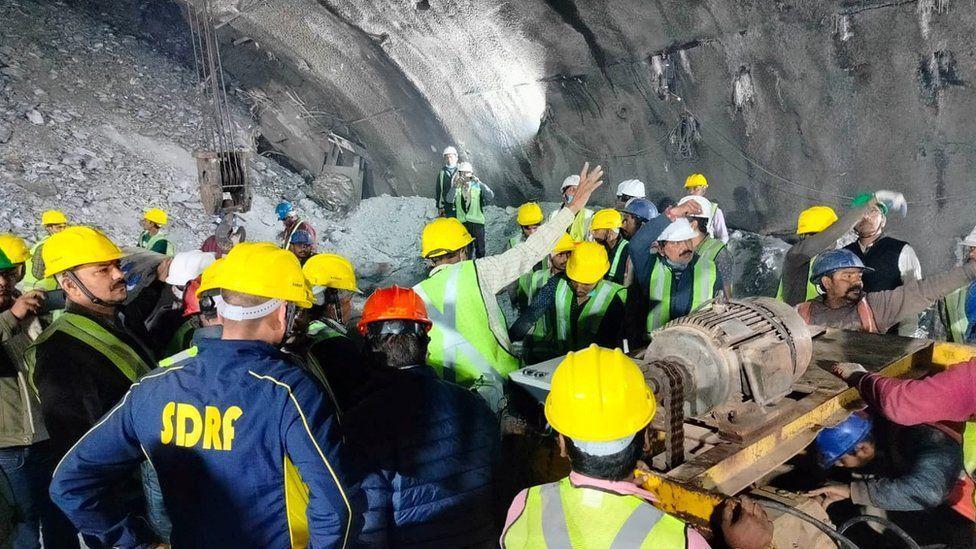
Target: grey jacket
[{"x": 20, "y": 416}]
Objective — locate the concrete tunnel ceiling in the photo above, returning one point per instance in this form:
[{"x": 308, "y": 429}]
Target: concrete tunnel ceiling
[{"x": 781, "y": 104}]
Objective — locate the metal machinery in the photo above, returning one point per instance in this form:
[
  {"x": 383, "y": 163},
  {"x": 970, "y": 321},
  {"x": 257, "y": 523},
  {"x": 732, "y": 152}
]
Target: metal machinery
[{"x": 742, "y": 388}]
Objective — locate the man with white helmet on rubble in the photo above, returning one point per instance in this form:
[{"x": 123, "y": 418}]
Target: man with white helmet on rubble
[
  {"x": 238, "y": 436},
  {"x": 444, "y": 184},
  {"x": 469, "y": 204}
]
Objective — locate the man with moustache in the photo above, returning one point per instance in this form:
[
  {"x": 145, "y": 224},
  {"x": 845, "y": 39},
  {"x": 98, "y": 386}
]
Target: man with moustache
[{"x": 845, "y": 304}]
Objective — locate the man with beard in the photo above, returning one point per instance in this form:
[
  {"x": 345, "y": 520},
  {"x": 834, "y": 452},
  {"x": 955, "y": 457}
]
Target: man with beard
[
  {"x": 633, "y": 216},
  {"x": 893, "y": 261},
  {"x": 302, "y": 244},
  {"x": 605, "y": 229},
  {"x": 845, "y": 303}
]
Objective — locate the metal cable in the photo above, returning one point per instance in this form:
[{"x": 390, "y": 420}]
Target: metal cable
[
  {"x": 841, "y": 539},
  {"x": 909, "y": 542}
]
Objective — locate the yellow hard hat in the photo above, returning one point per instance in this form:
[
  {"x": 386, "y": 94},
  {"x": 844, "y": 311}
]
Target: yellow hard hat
[
  {"x": 330, "y": 271},
  {"x": 76, "y": 246},
  {"x": 260, "y": 269},
  {"x": 815, "y": 219},
  {"x": 156, "y": 216},
  {"x": 14, "y": 248},
  {"x": 696, "y": 180},
  {"x": 588, "y": 263},
  {"x": 564, "y": 244},
  {"x": 53, "y": 217},
  {"x": 210, "y": 278},
  {"x": 599, "y": 395},
  {"x": 442, "y": 236},
  {"x": 606, "y": 219},
  {"x": 529, "y": 213}
]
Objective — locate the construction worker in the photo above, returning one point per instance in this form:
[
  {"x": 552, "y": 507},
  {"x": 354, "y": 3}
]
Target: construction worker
[
  {"x": 325, "y": 347},
  {"x": 153, "y": 238},
  {"x": 818, "y": 230},
  {"x": 845, "y": 304},
  {"x": 291, "y": 222},
  {"x": 629, "y": 189},
  {"x": 444, "y": 184},
  {"x": 53, "y": 221},
  {"x": 697, "y": 185},
  {"x": 707, "y": 246},
  {"x": 227, "y": 234},
  {"x": 680, "y": 281},
  {"x": 83, "y": 363},
  {"x": 605, "y": 229},
  {"x": 469, "y": 204},
  {"x": 893, "y": 261},
  {"x": 601, "y": 408},
  {"x": 237, "y": 436},
  {"x": 540, "y": 289},
  {"x": 469, "y": 342},
  {"x": 25, "y": 456},
  {"x": 529, "y": 217},
  {"x": 302, "y": 245},
  {"x": 916, "y": 468},
  {"x": 429, "y": 487},
  {"x": 172, "y": 323},
  {"x": 580, "y": 227},
  {"x": 634, "y": 214},
  {"x": 957, "y": 311}
]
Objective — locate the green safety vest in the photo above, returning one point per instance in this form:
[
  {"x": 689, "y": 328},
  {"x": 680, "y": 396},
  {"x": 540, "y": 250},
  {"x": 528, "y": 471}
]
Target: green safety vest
[
  {"x": 969, "y": 453},
  {"x": 618, "y": 266},
  {"x": 812, "y": 292},
  {"x": 579, "y": 229},
  {"x": 321, "y": 330},
  {"x": 710, "y": 248},
  {"x": 542, "y": 334},
  {"x": 590, "y": 317},
  {"x": 179, "y": 358},
  {"x": 146, "y": 241},
  {"x": 462, "y": 346},
  {"x": 953, "y": 310},
  {"x": 31, "y": 282},
  {"x": 704, "y": 288},
  {"x": 515, "y": 241},
  {"x": 474, "y": 213},
  {"x": 560, "y": 515},
  {"x": 91, "y": 333}
]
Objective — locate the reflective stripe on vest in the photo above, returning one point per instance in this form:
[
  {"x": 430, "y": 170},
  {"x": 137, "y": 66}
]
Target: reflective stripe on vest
[
  {"x": 662, "y": 285},
  {"x": 957, "y": 323},
  {"x": 322, "y": 330},
  {"x": 709, "y": 248},
  {"x": 473, "y": 214},
  {"x": 612, "y": 274},
  {"x": 179, "y": 358},
  {"x": 462, "y": 346},
  {"x": 590, "y": 317},
  {"x": 969, "y": 453},
  {"x": 91, "y": 333},
  {"x": 562, "y": 516}
]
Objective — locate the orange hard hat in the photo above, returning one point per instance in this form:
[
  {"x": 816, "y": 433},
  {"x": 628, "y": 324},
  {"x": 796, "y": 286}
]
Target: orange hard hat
[
  {"x": 191, "y": 303},
  {"x": 394, "y": 303}
]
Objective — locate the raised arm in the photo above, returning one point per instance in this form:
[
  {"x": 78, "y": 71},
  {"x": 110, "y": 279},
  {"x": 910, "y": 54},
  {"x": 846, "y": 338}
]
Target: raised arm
[{"x": 914, "y": 296}]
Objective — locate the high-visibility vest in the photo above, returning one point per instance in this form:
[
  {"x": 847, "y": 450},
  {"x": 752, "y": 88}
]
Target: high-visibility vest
[
  {"x": 560, "y": 515},
  {"x": 91, "y": 333},
  {"x": 812, "y": 291},
  {"x": 542, "y": 331},
  {"x": 31, "y": 282},
  {"x": 953, "y": 310},
  {"x": 969, "y": 456},
  {"x": 321, "y": 330},
  {"x": 462, "y": 346},
  {"x": 579, "y": 229},
  {"x": 590, "y": 316},
  {"x": 473, "y": 213},
  {"x": 179, "y": 358},
  {"x": 704, "y": 287},
  {"x": 710, "y": 248},
  {"x": 618, "y": 265},
  {"x": 146, "y": 241}
]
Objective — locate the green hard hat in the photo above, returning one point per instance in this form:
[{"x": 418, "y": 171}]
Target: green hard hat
[{"x": 863, "y": 199}]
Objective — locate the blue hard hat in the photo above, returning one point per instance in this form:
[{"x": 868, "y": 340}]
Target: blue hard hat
[
  {"x": 639, "y": 207},
  {"x": 301, "y": 237},
  {"x": 283, "y": 209},
  {"x": 832, "y": 260},
  {"x": 834, "y": 442}
]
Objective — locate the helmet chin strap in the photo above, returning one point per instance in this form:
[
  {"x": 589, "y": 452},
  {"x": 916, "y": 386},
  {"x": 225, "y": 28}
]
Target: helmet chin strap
[{"x": 88, "y": 293}]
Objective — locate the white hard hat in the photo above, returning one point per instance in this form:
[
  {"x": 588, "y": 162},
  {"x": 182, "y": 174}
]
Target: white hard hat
[
  {"x": 450, "y": 150},
  {"x": 971, "y": 239},
  {"x": 703, "y": 203},
  {"x": 632, "y": 187},
  {"x": 678, "y": 231},
  {"x": 570, "y": 181},
  {"x": 188, "y": 265},
  {"x": 465, "y": 167}
]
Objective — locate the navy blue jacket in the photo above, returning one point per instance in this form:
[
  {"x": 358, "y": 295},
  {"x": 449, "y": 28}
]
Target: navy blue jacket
[
  {"x": 225, "y": 432},
  {"x": 432, "y": 445}
]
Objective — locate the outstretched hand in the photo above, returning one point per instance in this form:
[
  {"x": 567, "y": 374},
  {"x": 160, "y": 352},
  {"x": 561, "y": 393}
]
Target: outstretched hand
[{"x": 589, "y": 182}]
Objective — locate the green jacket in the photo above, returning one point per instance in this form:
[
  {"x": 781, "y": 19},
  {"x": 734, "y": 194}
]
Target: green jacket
[{"x": 20, "y": 411}]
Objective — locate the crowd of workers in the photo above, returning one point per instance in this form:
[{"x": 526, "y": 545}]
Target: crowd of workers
[{"x": 224, "y": 396}]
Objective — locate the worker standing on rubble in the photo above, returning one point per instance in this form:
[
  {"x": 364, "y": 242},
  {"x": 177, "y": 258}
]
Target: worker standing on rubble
[
  {"x": 238, "y": 435},
  {"x": 53, "y": 222},
  {"x": 528, "y": 217},
  {"x": 605, "y": 229},
  {"x": 629, "y": 189},
  {"x": 430, "y": 487},
  {"x": 697, "y": 185},
  {"x": 893, "y": 262},
  {"x": 153, "y": 238},
  {"x": 291, "y": 222},
  {"x": 601, "y": 408},
  {"x": 469, "y": 204},
  {"x": 706, "y": 245},
  {"x": 444, "y": 184},
  {"x": 580, "y": 228},
  {"x": 957, "y": 311},
  {"x": 845, "y": 304},
  {"x": 469, "y": 343}
]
